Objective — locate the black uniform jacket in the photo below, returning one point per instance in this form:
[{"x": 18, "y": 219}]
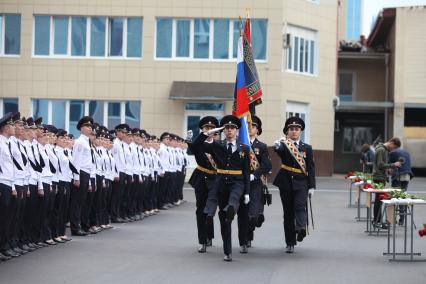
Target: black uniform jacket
[
  {"x": 261, "y": 151},
  {"x": 199, "y": 176},
  {"x": 238, "y": 161},
  {"x": 284, "y": 177}
]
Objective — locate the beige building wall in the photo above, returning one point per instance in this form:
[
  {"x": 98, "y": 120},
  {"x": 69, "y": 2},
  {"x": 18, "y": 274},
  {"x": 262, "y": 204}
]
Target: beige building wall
[
  {"x": 370, "y": 78},
  {"x": 149, "y": 80},
  {"x": 410, "y": 61},
  {"x": 318, "y": 90}
]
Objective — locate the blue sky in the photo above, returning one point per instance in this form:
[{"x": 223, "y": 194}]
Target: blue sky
[{"x": 372, "y": 7}]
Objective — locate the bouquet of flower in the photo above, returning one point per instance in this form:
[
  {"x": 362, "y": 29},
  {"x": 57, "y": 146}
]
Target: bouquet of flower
[
  {"x": 349, "y": 174},
  {"x": 422, "y": 232},
  {"x": 402, "y": 195},
  {"x": 368, "y": 186}
]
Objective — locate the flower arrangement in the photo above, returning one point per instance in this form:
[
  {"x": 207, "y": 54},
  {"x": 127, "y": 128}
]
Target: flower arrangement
[
  {"x": 402, "y": 195},
  {"x": 422, "y": 232}
]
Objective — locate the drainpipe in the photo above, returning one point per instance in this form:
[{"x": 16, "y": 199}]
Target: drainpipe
[{"x": 386, "y": 97}]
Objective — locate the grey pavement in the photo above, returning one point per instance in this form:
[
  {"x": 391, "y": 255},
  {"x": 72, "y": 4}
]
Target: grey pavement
[{"x": 162, "y": 249}]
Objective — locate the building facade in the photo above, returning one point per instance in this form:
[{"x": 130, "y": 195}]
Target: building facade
[
  {"x": 161, "y": 65},
  {"x": 382, "y": 89}
]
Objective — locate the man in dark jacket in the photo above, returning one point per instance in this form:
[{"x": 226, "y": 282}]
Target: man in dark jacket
[
  {"x": 401, "y": 176},
  {"x": 202, "y": 180},
  {"x": 296, "y": 179},
  {"x": 381, "y": 166}
]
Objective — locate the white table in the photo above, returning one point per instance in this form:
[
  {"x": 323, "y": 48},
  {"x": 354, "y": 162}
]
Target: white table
[{"x": 392, "y": 213}]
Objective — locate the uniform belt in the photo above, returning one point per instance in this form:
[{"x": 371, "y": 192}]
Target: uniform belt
[
  {"x": 229, "y": 172},
  {"x": 291, "y": 169},
  {"x": 207, "y": 171}
]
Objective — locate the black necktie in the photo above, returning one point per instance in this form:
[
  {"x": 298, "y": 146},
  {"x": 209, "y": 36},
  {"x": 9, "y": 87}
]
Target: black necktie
[
  {"x": 59, "y": 163},
  {"x": 52, "y": 168},
  {"x": 13, "y": 158},
  {"x": 230, "y": 148},
  {"x": 22, "y": 154},
  {"x": 42, "y": 164},
  {"x": 66, "y": 153}
]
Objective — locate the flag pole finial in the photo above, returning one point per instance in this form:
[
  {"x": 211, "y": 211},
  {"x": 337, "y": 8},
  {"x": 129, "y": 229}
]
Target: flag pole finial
[{"x": 248, "y": 13}]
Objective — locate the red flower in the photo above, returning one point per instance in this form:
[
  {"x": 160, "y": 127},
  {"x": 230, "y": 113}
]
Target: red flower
[
  {"x": 422, "y": 232},
  {"x": 349, "y": 174},
  {"x": 383, "y": 196},
  {"x": 367, "y": 186},
  {"x": 358, "y": 179}
]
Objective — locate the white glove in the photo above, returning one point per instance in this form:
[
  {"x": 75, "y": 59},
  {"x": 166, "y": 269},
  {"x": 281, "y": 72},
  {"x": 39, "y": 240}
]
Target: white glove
[
  {"x": 277, "y": 144},
  {"x": 214, "y": 130},
  {"x": 246, "y": 198},
  {"x": 252, "y": 177},
  {"x": 189, "y": 135},
  {"x": 311, "y": 192}
]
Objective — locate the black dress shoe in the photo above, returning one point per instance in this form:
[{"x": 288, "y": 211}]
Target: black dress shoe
[
  {"x": 32, "y": 245},
  {"x": 4, "y": 257},
  {"x": 80, "y": 233},
  {"x": 289, "y": 249},
  {"x": 249, "y": 244},
  {"x": 230, "y": 213},
  {"x": 227, "y": 257},
  {"x": 26, "y": 247},
  {"x": 42, "y": 245},
  {"x": 202, "y": 249},
  {"x": 243, "y": 249},
  {"x": 20, "y": 251},
  {"x": 209, "y": 242},
  {"x": 301, "y": 235},
  {"x": 10, "y": 253}
]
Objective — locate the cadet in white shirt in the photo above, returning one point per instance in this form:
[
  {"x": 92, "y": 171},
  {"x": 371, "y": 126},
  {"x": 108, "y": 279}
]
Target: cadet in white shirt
[
  {"x": 7, "y": 186},
  {"x": 82, "y": 160}
]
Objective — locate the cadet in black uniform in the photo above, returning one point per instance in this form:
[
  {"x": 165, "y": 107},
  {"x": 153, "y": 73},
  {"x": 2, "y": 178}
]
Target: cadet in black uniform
[
  {"x": 202, "y": 180},
  {"x": 257, "y": 178},
  {"x": 232, "y": 177},
  {"x": 296, "y": 179}
]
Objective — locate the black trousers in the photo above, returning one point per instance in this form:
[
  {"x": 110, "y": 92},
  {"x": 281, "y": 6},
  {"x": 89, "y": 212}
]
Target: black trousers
[
  {"x": 256, "y": 206},
  {"x": 117, "y": 191},
  {"x": 229, "y": 194},
  {"x": 5, "y": 200},
  {"x": 243, "y": 222},
  {"x": 78, "y": 199},
  {"x": 96, "y": 208},
  {"x": 124, "y": 206},
  {"x": 106, "y": 203},
  {"x": 293, "y": 200},
  {"x": 88, "y": 205},
  {"x": 61, "y": 207},
  {"x": 17, "y": 208},
  {"x": 205, "y": 231},
  {"x": 45, "y": 209},
  {"x": 32, "y": 219}
]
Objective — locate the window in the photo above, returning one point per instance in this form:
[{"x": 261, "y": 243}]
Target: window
[
  {"x": 206, "y": 39},
  {"x": 78, "y": 36},
  {"x": 64, "y": 36},
  {"x": 347, "y": 81},
  {"x": 97, "y": 36},
  {"x": 355, "y": 137},
  {"x": 8, "y": 105},
  {"x": 133, "y": 110},
  {"x": 65, "y": 114},
  {"x": 414, "y": 117},
  {"x": 301, "y": 51},
  {"x": 60, "y": 35},
  {"x": 300, "y": 110},
  {"x": 10, "y": 34},
  {"x": 195, "y": 111}
]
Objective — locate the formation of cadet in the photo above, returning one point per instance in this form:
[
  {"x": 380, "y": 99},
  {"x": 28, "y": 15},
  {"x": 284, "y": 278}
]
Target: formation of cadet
[
  {"x": 232, "y": 176},
  {"x": 48, "y": 179}
]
